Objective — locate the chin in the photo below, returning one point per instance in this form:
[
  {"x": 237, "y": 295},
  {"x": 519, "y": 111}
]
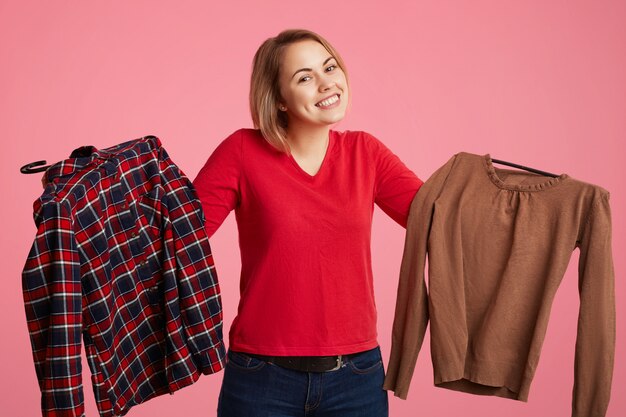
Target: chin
[
  {"x": 336, "y": 117},
  {"x": 332, "y": 121},
  {"x": 339, "y": 118}
]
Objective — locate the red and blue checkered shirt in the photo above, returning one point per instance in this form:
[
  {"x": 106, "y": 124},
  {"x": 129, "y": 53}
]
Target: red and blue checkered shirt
[{"x": 121, "y": 259}]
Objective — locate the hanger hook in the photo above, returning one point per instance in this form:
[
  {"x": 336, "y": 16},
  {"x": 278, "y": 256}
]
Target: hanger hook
[{"x": 34, "y": 167}]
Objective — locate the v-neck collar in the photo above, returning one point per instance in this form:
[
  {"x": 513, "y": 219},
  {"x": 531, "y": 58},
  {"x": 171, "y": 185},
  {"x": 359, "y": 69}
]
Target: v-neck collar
[{"x": 322, "y": 168}]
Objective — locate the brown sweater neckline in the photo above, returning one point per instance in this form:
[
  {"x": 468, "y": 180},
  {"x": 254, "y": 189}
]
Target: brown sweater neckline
[{"x": 497, "y": 181}]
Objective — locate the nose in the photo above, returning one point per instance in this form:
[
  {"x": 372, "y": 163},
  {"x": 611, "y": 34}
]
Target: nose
[{"x": 326, "y": 84}]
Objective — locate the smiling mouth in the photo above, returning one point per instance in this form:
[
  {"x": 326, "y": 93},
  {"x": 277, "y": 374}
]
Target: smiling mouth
[{"x": 328, "y": 102}]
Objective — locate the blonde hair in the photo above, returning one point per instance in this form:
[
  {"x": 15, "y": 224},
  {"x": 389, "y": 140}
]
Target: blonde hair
[{"x": 264, "y": 85}]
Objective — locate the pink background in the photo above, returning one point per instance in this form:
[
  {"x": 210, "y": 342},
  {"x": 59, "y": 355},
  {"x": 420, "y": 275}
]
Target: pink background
[{"x": 541, "y": 83}]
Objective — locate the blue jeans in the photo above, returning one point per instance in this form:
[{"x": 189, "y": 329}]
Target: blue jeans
[{"x": 255, "y": 388}]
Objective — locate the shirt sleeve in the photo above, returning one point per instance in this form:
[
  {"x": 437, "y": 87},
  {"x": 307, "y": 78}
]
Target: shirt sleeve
[
  {"x": 411, "y": 315},
  {"x": 217, "y": 183},
  {"x": 198, "y": 288},
  {"x": 595, "y": 341},
  {"x": 53, "y": 301},
  {"x": 395, "y": 184}
]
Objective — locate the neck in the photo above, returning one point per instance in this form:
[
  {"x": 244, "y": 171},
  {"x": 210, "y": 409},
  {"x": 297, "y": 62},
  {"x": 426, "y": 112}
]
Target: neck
[{"x": 303, "y": 140}]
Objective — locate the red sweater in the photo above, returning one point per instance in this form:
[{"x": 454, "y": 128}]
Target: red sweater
[{"x": 306, "y": 277}]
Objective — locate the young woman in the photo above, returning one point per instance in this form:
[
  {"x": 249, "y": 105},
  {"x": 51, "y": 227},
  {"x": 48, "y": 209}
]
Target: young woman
[{"x": 304, "y": 339}]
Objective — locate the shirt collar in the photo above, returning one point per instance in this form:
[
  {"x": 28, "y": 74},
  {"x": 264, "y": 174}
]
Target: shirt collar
[
  {"x": 88, "y": 156},
  {"x": 80, "y": 158}
]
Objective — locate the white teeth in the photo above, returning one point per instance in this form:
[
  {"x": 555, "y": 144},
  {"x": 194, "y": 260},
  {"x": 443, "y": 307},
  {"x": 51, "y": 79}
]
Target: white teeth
[{"x": 328, "y": 101}]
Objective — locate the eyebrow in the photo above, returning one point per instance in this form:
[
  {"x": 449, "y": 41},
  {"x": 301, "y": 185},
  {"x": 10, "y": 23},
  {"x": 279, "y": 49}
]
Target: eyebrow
[{"x": 309, "y": 69}]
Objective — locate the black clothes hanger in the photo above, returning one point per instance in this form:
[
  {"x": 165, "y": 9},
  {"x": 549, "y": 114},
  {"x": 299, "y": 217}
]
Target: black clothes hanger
[
  {"x": 536, "y": 171},
  {"x": 30, "y": 168},
  {"x": 34, "y": 167}
]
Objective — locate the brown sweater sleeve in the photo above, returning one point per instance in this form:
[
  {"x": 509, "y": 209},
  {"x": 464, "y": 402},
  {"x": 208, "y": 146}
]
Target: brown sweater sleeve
[
  {"x": 595, "y": 342},
  {"x": 411, "y": 315}
]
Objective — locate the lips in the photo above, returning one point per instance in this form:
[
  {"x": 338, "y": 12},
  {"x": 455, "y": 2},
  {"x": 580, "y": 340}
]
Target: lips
[{"x": 328, "y": 101}]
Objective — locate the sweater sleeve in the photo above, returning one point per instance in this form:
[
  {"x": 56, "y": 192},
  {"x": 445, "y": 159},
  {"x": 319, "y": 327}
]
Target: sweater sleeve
[
  {"x": 395, "y": 184},
  {"x": 411, "y": 315},
  {"x": 217, "y": 183},
  {"x": 595, "y": 341}
]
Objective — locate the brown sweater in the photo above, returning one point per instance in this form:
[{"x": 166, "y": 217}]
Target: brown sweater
[{"x": 498, "y": 244}]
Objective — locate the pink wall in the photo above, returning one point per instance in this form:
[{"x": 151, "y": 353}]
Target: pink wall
[{"x": 534, "y": 82}]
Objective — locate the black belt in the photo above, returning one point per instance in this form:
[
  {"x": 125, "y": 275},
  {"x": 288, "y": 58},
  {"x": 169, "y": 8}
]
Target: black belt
[{"x": 307, "y": 363}]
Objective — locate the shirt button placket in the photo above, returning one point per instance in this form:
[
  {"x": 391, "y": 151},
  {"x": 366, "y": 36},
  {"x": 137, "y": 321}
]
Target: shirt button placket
[{"x": 134, "y": 244}]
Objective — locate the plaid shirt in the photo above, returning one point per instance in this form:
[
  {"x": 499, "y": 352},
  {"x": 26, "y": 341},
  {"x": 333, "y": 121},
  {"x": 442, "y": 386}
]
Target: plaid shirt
[{"x": 122, "y": 259}]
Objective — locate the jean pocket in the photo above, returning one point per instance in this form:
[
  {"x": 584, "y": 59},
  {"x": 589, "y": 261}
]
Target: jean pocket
[
  {"x": 243, "y": 362},
  {"x": 366, "y": 362}
]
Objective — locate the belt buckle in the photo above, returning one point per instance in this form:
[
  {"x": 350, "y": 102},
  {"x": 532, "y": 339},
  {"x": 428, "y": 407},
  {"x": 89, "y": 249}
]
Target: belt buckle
[{"x": 339, "y": 363}]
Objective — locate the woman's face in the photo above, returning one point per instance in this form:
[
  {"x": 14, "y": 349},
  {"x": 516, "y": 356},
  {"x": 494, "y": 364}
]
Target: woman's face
[{"x": 313, "y": 87}]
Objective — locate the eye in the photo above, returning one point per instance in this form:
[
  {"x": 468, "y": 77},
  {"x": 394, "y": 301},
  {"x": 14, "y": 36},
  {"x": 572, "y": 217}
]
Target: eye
[
  {"x": 305, "y": 78},
  {"x": 331, "y": 66}
]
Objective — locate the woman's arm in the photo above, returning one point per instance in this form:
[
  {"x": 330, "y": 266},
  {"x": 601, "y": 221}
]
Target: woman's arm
[
  {"x": 217, "y": 183},
  {"x": 395, "y": 185}
]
